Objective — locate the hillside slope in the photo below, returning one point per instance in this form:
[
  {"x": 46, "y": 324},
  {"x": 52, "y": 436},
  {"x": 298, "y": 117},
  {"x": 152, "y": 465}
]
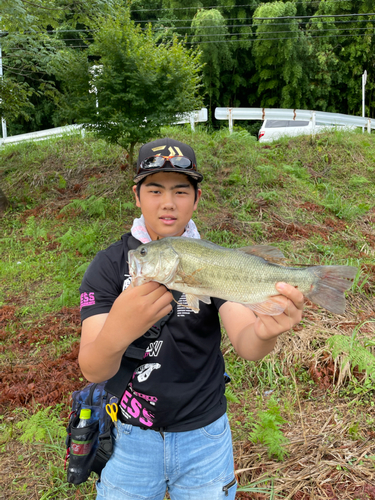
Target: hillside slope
[{"x": 314, "y": 199}]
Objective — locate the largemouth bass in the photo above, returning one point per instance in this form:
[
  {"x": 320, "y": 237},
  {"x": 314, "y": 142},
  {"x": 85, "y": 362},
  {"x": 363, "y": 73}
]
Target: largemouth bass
[{"x": 202, "y": 269}]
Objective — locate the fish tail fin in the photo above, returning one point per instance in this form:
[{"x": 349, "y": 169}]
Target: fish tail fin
[{"x": 330, "y": 285}]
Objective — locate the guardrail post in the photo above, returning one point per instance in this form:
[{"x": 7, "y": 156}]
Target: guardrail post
[
  {"x": 192, "y": 121},
  {"x": 230, "y": 120},
  {"x": 313, "y": 124},
  {"x": 3, "y": 122},
  {"x": 369, "y": 126}
]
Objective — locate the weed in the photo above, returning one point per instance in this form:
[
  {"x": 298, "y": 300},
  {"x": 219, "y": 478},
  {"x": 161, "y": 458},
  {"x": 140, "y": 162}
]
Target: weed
[
  {"x": 343, "y": 210},
  {"x": 297, "y": 171},
  {"x": 271, "y": 196},
  {"x": 349, "y": 353},
  {"x": 358, "y": 181},
  {"x": 255, "y": 487},
  {"x": 231, "y": 396},
  {"x": 268, "y": 431},
  {"x": 224, "y": 238},
  {"x": 83, "y": 240},
  {"x": 268, "y": 175},
  {"x": 44, "y": 426},
  {"x": 236, "y": 178},
  {"x": 94, "y": 206}
]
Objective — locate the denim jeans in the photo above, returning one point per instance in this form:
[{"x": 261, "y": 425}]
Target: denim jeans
[{"x": 192, "y": 465}]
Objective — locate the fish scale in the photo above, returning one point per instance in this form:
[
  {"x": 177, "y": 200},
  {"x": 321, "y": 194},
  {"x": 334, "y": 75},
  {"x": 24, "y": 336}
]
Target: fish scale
[
  {"x": 231, "y": 272},
  {"x": 202, "y": 269}
]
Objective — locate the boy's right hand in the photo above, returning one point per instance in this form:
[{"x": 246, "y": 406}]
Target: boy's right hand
[
  {"x": 140, "y": 307},
  {"x": 105, "y": 337}
]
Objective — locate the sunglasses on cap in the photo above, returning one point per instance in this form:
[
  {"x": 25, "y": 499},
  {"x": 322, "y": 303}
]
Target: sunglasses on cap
[{"x": 159, "y": 162}]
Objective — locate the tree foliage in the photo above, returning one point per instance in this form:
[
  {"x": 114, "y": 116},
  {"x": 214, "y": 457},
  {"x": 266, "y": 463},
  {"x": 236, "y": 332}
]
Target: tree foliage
[
  {"x": 136, "y": 86},
  {"x": 33, "y": 46},
  {"x": 280, "y": 58},
  {"x": 209, "y": 26},
  {"x": 298, "y": 62}
]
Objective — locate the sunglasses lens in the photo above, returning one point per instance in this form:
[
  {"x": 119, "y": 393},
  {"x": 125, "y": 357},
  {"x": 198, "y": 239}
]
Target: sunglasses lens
[
  {"x": 153, "y": 162},
  {"x": 181, "y": 162}
]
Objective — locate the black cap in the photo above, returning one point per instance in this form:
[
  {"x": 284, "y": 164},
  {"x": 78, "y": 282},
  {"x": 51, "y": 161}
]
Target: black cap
[{"x": 167, "y": 147}]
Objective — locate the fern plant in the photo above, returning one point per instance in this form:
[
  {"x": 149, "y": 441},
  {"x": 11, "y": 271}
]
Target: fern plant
[
  {"x": 44, "y": 426},
  {"x": 349, "y": 353},
  {"x": 230, "y": 395},
  {"x": 94, "y": 206},
  {"x": 268, "y": 431}
]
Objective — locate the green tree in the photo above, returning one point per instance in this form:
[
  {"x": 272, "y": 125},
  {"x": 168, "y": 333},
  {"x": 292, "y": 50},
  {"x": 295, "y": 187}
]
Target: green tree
[
  {"x": 32, "y": 43},
  {"x": 209, "y": 27},
  {"x": 343, "y": 51},
  {"x": 139, "y": 86},
  {"x": 281, "y": 56}
]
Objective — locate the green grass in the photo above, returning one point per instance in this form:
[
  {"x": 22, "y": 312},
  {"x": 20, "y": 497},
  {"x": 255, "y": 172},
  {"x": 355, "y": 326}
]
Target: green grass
[{"x": 71, "y": 197}]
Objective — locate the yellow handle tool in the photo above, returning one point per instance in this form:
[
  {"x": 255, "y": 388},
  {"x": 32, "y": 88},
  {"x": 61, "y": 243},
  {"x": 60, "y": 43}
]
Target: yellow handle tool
[{"x": 112, "y": 410}]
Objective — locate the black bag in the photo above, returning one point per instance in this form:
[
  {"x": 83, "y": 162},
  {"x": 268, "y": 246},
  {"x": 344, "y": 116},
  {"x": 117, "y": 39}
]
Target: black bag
[{"x": 89, "y": 448}]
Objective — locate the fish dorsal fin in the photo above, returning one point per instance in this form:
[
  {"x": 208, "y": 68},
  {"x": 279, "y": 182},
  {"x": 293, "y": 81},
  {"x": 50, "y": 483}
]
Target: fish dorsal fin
[
  {"x": 267, "y": 252},
  {"x": 269, "y": 308}
]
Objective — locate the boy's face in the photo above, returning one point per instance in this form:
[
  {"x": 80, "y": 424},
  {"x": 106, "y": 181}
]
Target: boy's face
[{"x": 167, "y": 201}]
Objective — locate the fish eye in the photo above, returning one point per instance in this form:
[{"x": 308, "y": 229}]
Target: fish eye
[{"x": 143, "y": 251}]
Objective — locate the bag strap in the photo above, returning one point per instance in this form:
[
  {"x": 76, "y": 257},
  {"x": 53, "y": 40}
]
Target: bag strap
[{"x": 134, "y": 354}]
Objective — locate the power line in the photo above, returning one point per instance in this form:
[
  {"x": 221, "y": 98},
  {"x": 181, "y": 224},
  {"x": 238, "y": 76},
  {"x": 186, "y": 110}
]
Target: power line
[
  {"x": 278, "y": 38},
  {"x": 223, "y": 34},
  {"x": 242, "y": 40},
  {"x": 271, "y": 32},
  {"x": 308, "y": 33},
  {"x": 26, "y": 33},
  {"x": 313, "y": 16},
  {"x": 256, "y": 25},
  {"x": 225, "y": 6},
  {"x": 354, "y": 21},
  {"x": 257, "y": 18}
]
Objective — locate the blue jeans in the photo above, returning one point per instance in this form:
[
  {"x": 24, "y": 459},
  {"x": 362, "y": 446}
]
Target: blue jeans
[{"x": 192, "y": 465}]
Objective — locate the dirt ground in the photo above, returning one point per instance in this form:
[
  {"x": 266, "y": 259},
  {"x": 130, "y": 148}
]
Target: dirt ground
[{"x": 327, "y": 459}]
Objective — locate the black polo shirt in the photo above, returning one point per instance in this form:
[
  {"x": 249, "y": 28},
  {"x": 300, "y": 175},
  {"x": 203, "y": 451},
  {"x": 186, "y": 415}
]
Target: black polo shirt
[{"x": 179, "y": 385}]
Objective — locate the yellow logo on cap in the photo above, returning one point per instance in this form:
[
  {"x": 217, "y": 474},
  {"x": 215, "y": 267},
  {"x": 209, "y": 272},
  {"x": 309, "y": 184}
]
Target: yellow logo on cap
[{"x": 172, "y": 151}]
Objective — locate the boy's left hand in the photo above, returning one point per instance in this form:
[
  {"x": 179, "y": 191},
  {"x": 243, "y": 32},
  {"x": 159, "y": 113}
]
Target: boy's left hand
[{"x": 268, "y": 327}]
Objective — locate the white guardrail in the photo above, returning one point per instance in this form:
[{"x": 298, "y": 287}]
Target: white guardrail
[
  {"x": 229, "y": 114},
  {"x": 323, "y": 118},
  {"x": 192, "y": 118}
]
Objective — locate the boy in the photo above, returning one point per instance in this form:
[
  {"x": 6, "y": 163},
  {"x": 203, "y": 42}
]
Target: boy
[{"x": 173, "y": 431}]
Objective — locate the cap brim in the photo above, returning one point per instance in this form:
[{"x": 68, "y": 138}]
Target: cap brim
[{"x": 189, "y": 173}]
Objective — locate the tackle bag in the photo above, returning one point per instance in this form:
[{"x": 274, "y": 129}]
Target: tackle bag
[{"x": 89, "y": 448}]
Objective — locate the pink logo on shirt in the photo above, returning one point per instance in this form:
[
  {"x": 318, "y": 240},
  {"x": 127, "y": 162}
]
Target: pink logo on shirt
[{"x": 87, "y": 299}]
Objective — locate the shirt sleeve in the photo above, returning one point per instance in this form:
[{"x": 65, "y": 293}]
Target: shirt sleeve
[
  {"x": 100, "y": 286},
  {"x": 218, "y": 302}
]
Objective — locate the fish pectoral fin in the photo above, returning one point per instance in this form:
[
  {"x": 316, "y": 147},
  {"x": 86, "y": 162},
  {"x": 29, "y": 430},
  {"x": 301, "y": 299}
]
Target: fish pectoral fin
[
  {"x": 268, "y": 307},
  {"x": 204, "y": 298},
  {"x": 267, "y": 252},
  {"x": 193, "y": 301}
]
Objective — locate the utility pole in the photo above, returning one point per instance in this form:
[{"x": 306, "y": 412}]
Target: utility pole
[
  {"x": 364, "y": 79},
  {"x": 3, "y": 122}
]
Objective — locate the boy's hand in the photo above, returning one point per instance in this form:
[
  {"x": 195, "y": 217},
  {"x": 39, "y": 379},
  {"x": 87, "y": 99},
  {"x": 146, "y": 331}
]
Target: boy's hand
[
  {"x": 254, "y": 336},
  {"x": 141, "y": 307},
  {"x": 106, "y": 336},
  {"x": 268, "y": 327}
]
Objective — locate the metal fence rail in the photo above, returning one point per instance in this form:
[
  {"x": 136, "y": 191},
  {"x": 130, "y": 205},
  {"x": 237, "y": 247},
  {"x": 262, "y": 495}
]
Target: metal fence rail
[
  {"x": 44, "y": 134},
  {"x": 324, "y": 118},
  {"x": 200, "y": 115}
]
